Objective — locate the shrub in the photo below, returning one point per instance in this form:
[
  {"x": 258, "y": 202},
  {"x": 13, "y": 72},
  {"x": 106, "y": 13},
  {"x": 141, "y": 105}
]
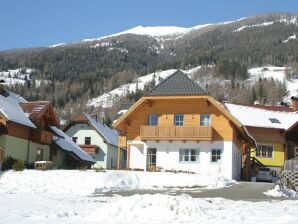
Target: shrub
[{"x": 18, "y": 165}]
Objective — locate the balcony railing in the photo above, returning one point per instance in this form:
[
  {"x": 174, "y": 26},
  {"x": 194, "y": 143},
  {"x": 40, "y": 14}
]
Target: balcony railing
[{"x": 176, "y": 132}]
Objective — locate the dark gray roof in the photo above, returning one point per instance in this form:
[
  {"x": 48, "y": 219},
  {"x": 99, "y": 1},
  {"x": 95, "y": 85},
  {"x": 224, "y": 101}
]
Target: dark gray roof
[
  {"x": 66, "y": 143},
  {"x": 178, "y": 84}
]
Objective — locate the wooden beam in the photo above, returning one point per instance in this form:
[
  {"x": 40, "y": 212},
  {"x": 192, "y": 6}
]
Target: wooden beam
[
  {"x": 128, "y": 157},
  {"x": 119, "y": 157}
]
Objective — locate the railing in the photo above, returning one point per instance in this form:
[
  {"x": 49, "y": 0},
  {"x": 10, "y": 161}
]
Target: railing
[{"x": 176, "y": 132}]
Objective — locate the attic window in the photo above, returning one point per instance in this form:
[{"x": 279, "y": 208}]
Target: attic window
[{"x": 274, "y": 120}]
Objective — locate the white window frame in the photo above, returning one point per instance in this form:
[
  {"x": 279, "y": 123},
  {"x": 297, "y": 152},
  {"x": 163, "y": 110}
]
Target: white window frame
[
  {"x": 152, "y": 119},
  {"x": 197, "y": 155},
  {"x": 261, "y": 152},
  {"x": 220, "y": 155},
  {"x": 204, "y": 122},
  {"x": 179, "y": 121}
]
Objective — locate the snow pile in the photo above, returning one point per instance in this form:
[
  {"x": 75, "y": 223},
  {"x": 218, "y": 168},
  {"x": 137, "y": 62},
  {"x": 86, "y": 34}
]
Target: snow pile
[
  {"x": 280, "y": 192},
  {"x": 57, "y": 45},
  {"x": 73, "y": 182},
  {"x": 156, "y": 208},
  {"x": 108, "y": 99}
]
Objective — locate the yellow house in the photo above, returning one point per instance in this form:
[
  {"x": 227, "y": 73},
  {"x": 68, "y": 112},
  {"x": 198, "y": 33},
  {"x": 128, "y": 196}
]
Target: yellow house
[
  {"x": 271, "y": 127},
  {"x": 178, "y": 126}
]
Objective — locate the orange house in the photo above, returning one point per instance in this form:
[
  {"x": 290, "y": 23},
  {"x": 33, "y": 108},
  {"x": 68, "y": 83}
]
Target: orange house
[{"x": 178, "y": 126}]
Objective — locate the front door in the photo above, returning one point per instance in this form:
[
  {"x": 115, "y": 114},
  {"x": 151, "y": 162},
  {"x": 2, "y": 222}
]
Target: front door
[{"x": 151, "y": 159}]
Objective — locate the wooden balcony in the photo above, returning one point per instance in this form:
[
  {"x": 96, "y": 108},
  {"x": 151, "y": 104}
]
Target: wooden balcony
[{"x": 176, "y": 133}]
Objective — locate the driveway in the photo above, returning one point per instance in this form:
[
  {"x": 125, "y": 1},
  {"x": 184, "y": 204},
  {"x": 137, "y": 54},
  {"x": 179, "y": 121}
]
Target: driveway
[{"x": 245, "y": 191}]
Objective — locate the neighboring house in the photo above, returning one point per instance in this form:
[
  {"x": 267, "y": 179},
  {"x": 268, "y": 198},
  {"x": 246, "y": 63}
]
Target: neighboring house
[
  {"x": 273, "y": 127},
  {"x": 96, "y": 138},
  {"x": 177, "y": 126},
  {"x": 25, "y": 129}
]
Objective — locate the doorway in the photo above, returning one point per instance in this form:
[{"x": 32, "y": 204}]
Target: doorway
[
  {"x": 151, "y": 159},
  {"x": 1, "y": 157}
]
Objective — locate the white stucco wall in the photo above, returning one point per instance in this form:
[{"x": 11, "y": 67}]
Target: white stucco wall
[
  {"x": 168, "y": 157},
  {"x": 106, "y": 153}
]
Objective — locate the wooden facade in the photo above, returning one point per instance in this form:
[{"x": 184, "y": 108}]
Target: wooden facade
[
  {"x": 133, "y": 125},
  {"x": 191, "y": 107}
]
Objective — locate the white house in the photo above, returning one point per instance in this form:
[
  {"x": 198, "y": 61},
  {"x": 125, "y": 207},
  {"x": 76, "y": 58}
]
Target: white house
[
  {"x": 178, "y": 126},
  {"x": 95, "y": 138}
]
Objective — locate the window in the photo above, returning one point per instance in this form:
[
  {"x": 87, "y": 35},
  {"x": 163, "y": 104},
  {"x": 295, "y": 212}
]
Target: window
[
  {"x": 215, "y": 155},
  {"x": 205, "y": 120},
  {"x": 189, "y": 155},
  {"x": 39, "y": 154},
  {"x": 75, "y": 139},
  {"x": 153, "y": 120},
  {"x": 265, "y": 151},
  {"x": 178, "y": 119},
  {"x": 87, "y": 140},
  {"x": 274, "y": 120}
]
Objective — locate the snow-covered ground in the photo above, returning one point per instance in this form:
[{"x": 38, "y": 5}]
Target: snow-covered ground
[
  {"x": 108, "y": 99},
  {"x": 18, "y": 76},
  {"x": 90, "y": 182},
  {"x": 15, "y": 76},
  {"x": 62, "y": 196},
  {"x": 277, "y": 73}
]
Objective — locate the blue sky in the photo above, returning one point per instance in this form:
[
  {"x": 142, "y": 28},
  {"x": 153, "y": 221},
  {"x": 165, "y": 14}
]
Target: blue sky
[{"x": 31, "y": 23}]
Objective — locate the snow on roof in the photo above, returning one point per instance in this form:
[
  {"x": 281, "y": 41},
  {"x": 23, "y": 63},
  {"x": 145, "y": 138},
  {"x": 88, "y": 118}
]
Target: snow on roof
[
  {"x": 249, "y": 115},
  {"x": 110, "y": 135},
  {"x": 66, "y": 144},
  {"x": 11, "y": 109}
]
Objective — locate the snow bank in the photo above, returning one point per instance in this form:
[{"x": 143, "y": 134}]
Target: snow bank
[
  {"x": 279, "y": 192},
  {"x": 76, "y": 182},
  {"x": 156, "y": 208}
]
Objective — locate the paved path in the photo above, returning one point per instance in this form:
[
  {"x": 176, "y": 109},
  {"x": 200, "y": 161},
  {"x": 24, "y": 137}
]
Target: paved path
[{"x": 246, "y": 191}]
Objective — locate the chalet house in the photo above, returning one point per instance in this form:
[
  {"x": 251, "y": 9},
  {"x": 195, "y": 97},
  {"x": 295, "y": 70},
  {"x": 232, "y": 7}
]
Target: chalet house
[
  {"x": 96, "y": 138},
  {"x": 25, "y": 130},
  {"x": 178, "y": 126},
  {"x": 275, "y": 129}
]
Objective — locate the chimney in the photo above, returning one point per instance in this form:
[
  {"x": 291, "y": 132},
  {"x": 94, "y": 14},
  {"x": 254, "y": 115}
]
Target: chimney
[{"x": 294, "y": 102}]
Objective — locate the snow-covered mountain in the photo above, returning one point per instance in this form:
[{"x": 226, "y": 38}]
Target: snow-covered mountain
[
  {"x": 173, "y": 32},
  {"x": 108, "y": 99},
  {"x": 276, "y": 73}
]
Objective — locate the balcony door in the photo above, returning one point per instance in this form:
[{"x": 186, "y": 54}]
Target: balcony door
[{"x": 151, "y": 159}]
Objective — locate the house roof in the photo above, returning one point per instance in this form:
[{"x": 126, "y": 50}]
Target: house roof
[
  {"x": 65, "y": 143},
  {"x": 34, "y": 110},
  {"x": 11, "y": 109},
  {"x": 178, "y": 84},
  {"x": 263, "y": 116},
  {"x": 110, "y": 135}
]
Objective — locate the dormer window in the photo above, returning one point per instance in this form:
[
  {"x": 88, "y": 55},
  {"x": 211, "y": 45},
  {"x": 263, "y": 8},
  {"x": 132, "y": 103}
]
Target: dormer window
[{"x": 274, "y": 121}]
